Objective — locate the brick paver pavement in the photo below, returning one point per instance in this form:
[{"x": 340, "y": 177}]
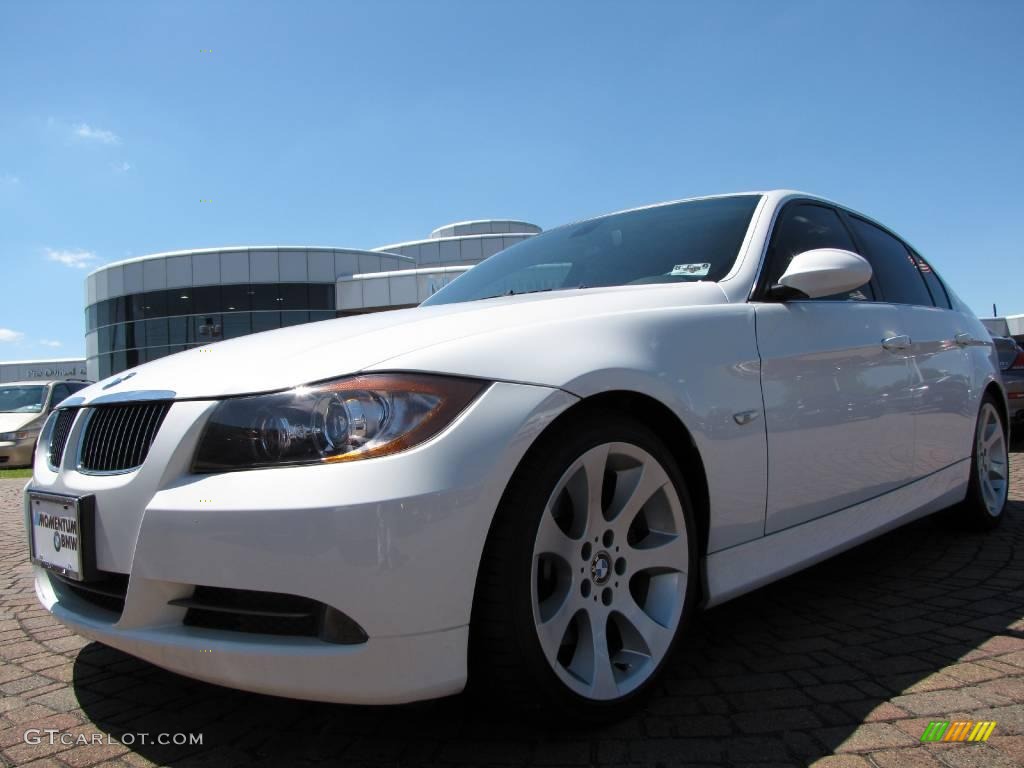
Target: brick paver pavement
[{"x": 841, "y": 666}]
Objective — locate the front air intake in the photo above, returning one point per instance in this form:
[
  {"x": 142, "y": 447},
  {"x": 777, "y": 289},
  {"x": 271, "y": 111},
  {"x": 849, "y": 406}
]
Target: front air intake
[{"x": 118, "y": 437}]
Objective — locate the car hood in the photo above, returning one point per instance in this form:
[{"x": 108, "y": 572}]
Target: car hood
[
  {"x": 12, "y": 422},
  {"x": 316, "y": 351}
]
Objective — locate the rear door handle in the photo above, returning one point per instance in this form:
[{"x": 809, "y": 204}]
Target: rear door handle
[
  {"x": 896, "y": 342},
  {"x": 963, "y": 339}
]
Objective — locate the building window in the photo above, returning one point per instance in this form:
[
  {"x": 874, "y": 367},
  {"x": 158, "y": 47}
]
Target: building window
[
  {"x": 237, "y": 324},
  {"x": 156, "y": 332},
  {"x": 235, "y": 298},
  {"x": 265, "y": 321}
]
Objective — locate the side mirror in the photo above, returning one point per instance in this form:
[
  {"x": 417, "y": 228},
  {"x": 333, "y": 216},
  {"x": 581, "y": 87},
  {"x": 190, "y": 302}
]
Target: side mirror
[{"x": 821, "y": 272}]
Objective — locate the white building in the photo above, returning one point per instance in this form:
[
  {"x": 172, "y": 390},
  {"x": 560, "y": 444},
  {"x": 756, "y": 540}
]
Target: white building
[{"x": 43, "y": 370}]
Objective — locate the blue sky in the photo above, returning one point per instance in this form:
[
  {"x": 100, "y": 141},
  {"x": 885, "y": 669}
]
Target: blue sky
[{"x": 328, "y": 123}]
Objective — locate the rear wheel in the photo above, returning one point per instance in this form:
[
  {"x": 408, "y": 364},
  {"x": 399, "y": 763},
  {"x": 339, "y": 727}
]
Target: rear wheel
[
  {"x": 588, "y": 575},
  {"x": 990, "y": 469}
]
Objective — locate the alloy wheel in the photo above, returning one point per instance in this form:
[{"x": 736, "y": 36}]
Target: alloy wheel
[
  {"x": 610, "y": 569},
  {"x": 992, "y": 459}
]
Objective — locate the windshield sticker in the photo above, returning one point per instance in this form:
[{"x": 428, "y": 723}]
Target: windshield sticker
[{"x": 691, "y": 270}]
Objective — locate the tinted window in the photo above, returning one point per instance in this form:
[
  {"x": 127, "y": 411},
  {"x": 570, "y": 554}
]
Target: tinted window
[
  {"x": 236, "y": 324},
  {"x": 680, "y": 242},
  {"x": 178, "y": 329},
  {"x": 208, "y": 328},
  {"x": 293, "y": 296},
  {"x": 103, "y": 311},
  {"x": 136, "y": 334},
  {"x": 321, "y": 296},
  {"x": 893, "y": 265},
  {"x": 935, "y": 286},
  {"x": 804, "y": 227},
  {"x": 263, "y": 296},
  {"x": 156, "y": 332},
  {"x": 119, "y": 309},
  {"x": 265, "y": 321},
  {"x": 118, "y": 332},
  {"x": 235, "y": 298},
  {"x": 206, "y": 299},
  {"x": 154, "y": 303},
  {"x": 136, "y": 306},
  {"x": 179, "y": 301},
  {"x": 60, "y": 391}
]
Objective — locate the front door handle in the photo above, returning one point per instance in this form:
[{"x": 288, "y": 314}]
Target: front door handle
[
  {"x": 896, "y": 342},
  {"x": 963, "y": 339}
]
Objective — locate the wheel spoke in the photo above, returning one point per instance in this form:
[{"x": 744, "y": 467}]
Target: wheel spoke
[
  {"x": 652, "y": 478},
  {"x": 655, "y": 636},
  {"x": 603, "y": 682},
  {"x": 594, "y": 463},
  {"x": 667, "y": 551},
  {"x": 551, "y": 537},
  {"x": 997, "y": 468},
  {"x": 551, "y": 633},
  {"x": 988, "y": 492}
]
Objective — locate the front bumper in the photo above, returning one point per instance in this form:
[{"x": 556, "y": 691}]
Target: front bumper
[
  {"x": 393, "y": 543},
  {"x": 17, "y": 453}
]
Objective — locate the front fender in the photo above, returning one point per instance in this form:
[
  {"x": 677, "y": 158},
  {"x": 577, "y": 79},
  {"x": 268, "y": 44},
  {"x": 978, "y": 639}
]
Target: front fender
[{"x": 699, "y": 361}]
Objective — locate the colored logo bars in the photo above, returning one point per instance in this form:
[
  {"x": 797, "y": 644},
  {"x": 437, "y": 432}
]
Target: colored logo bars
[{"x": 958, "y": 730}]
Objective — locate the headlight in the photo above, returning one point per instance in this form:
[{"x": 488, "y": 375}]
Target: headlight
[
  {"x": 12, "y": 437},
  {"x": 358, "y": 417}
]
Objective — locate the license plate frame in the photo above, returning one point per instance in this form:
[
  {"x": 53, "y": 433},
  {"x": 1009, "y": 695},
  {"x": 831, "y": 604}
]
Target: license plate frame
[{"x": 81, "y": 510}]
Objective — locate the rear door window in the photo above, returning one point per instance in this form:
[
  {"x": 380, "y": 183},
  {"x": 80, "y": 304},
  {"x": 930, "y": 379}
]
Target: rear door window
[
  {"x": 935, "y": 286},
  {"x": 894, "y": 266}
]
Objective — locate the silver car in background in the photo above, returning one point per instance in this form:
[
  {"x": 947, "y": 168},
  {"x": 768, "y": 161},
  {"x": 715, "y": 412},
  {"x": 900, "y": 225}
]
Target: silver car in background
[{"x": 24, "y": 406}]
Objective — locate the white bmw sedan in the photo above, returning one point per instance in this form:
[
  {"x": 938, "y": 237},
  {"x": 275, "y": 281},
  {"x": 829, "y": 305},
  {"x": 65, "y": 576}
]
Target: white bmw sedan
[{"x": 534, "y": 479}]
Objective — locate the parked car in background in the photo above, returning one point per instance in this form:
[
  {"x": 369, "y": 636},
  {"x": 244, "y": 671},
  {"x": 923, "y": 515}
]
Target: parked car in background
[
  {"x": 534, "y": 479},
  {"x": 1011, "y": 363},
  {"x": 24, "y": 406}
]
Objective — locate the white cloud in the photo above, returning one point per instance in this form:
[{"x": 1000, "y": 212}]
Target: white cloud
[
  {"x": 86, "y": 131},
  {"x": 49, "y": 343},
  {"x": 76, "y": 259},
  {"x": 121, "y": 167},
  {"x": 9, "y": 180},
  {"x": 6, "y": 334}
]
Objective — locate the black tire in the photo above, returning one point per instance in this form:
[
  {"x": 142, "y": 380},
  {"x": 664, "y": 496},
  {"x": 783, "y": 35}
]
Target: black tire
[
  {"x": 507, "y": 663},
  {"x": 976, "y": 512}
]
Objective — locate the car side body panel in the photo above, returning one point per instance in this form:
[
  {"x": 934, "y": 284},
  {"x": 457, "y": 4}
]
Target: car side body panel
[{"x": 652, "y": 352}]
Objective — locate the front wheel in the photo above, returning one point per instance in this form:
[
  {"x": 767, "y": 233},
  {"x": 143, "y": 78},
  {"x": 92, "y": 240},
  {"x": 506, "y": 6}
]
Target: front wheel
[
  {"x": 990, "y": 470},
  {"x": 588, "y": 575}
]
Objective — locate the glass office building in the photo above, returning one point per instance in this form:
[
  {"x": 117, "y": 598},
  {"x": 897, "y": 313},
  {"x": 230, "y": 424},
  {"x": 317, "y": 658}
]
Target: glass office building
[{"x": 146, "y": 308}]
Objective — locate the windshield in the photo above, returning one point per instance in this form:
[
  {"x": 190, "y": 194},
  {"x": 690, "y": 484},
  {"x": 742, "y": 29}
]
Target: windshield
[
  {"x": 680, "y": 242},
  {"x": 22, "y": 399}
]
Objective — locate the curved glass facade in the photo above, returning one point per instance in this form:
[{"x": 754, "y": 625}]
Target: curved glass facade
[
  {"x": 146, "y": 308},
  {"x": 134, "y": 329}
]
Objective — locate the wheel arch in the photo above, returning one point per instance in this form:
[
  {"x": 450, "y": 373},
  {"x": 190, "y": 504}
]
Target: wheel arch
[
  {"x": 661, "y": 420},
  {"x": 999, "y": 395}
]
